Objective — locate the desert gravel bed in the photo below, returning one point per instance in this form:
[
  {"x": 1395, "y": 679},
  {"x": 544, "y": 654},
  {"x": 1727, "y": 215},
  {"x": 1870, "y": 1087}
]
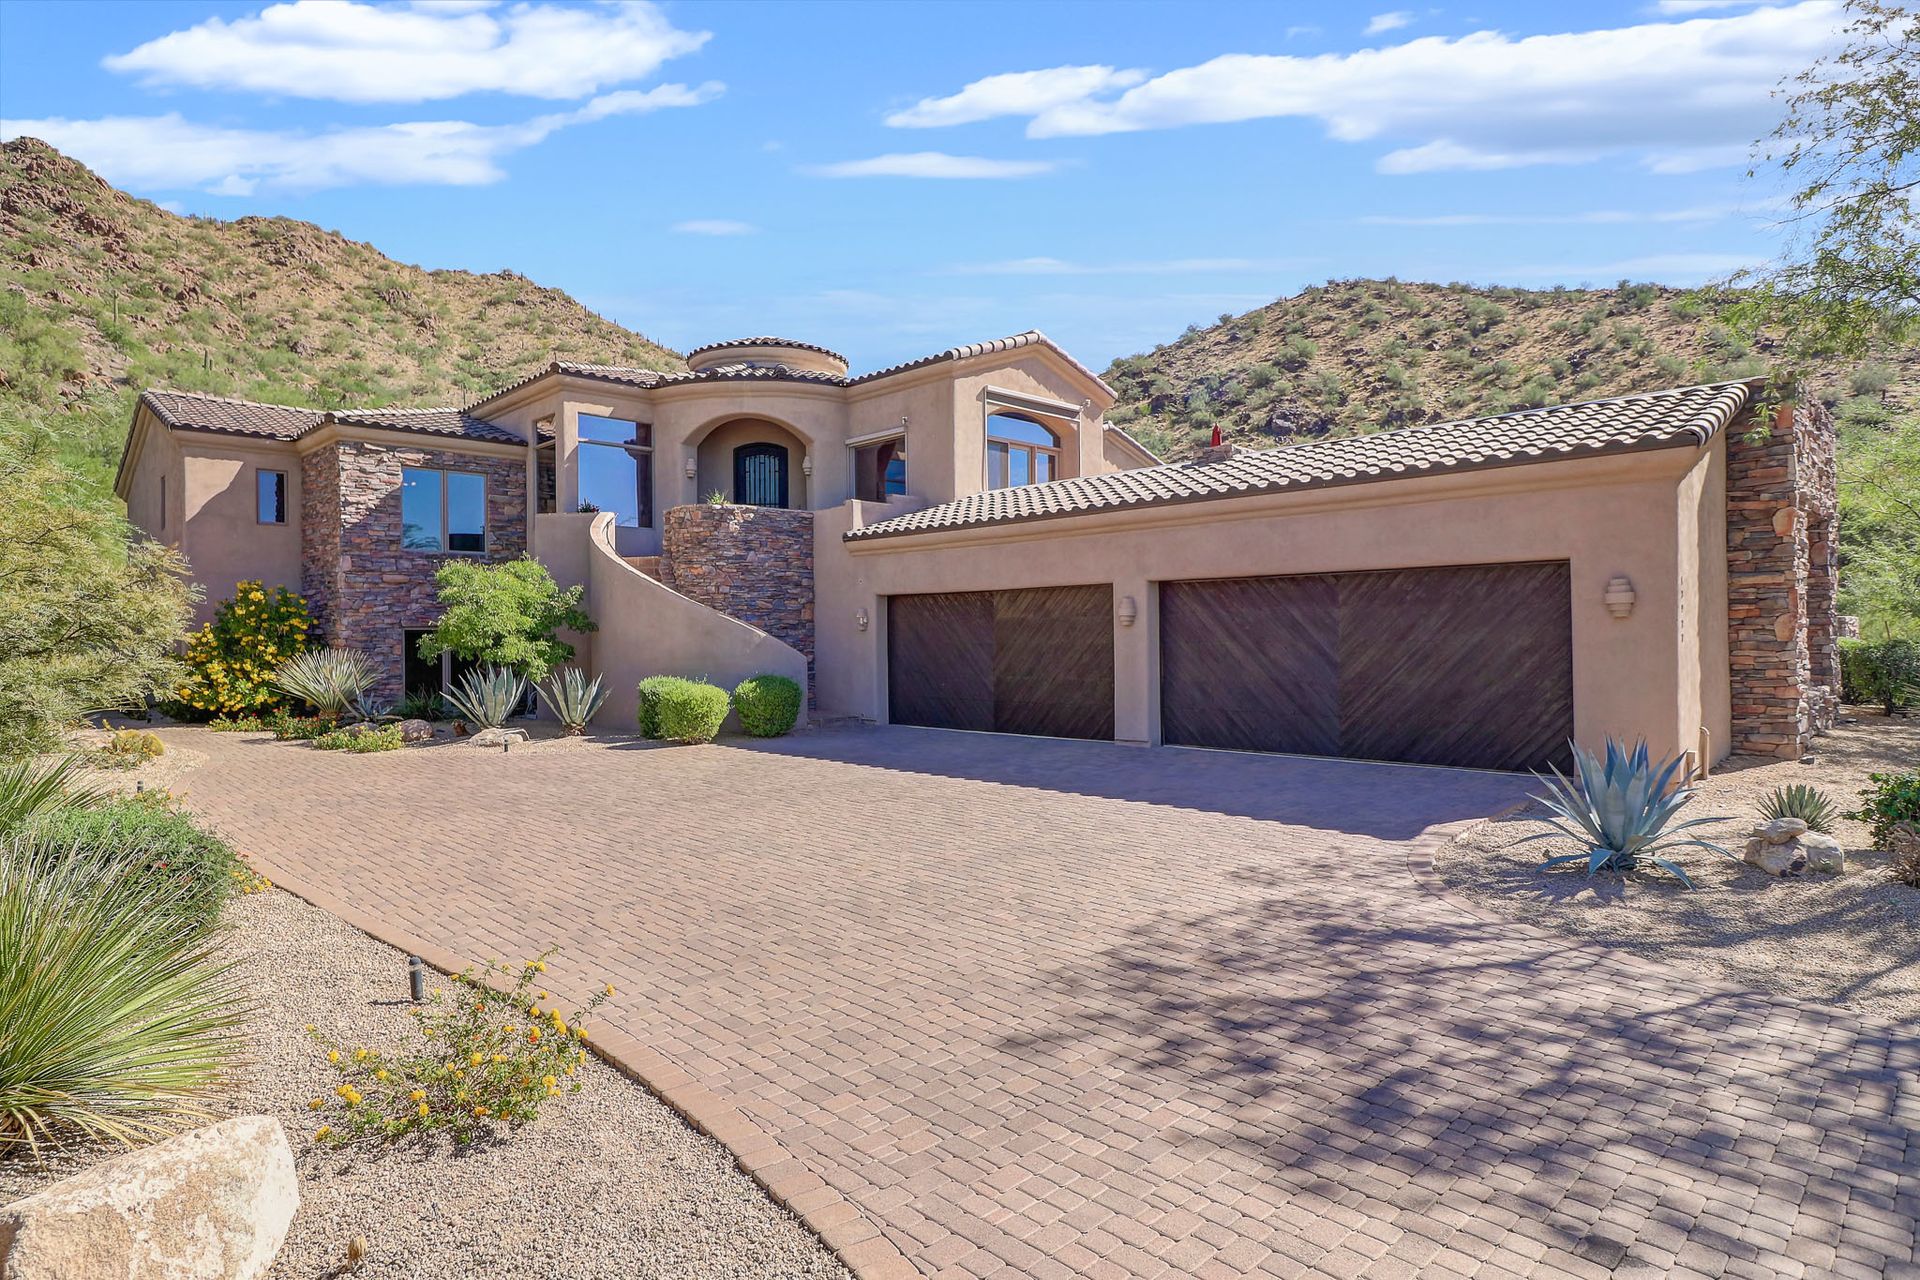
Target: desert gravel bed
[
  {"x": 608, "y": 1183},
  {"x": 1850, "y": 940}
]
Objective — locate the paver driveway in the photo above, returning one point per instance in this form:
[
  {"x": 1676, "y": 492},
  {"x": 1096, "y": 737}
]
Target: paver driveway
[{"x": 1030, "y": 1008}]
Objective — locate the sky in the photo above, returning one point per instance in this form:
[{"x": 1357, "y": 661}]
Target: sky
[{"x": 889, "y": 179}]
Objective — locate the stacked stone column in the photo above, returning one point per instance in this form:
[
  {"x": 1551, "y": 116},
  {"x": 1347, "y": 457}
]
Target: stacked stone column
[{"x": 750, "y": 563}]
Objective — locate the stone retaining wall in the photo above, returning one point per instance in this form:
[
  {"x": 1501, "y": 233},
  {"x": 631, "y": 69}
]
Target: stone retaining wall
[
  {"x": 363, "y": 587},
  {"x": 751, "y": 563},
  {"x": 1782, "y": 628}
]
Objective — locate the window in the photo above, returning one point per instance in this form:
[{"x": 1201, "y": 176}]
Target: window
[
  {"x": 546, "y": 483},
  {"x": 163, "y": 503},
  {"x": 615, "y": 462},
  {"x": 1020, "y": 451},
  {"x": 880, "y": 470},
  {"x": 270, "y": 488},
  {"x": 443, "y": 510},
  {"x": 760, "y": 475}
]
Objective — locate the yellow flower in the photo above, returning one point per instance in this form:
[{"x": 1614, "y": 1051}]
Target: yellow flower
[
  {"x": 423, "y": 1109},
  {"x": 381, "y": 1074},
  {"x": 475, "y": 1059},
  {"x": 581, "y": 1032},
  {"x": 543, "y": 995},
  {"x": 540, "y": 966},
  {"x": 499, "y": 1057},
  {"x": 548, "y": 1081},
  {"x": 482, "y": 1112},
  {"x": 316, "y": 1104},
  {"x": 417, "y": 1094},
  {"x": 533, "y": 1035},
  {"x": 333, "y": 1055},
  {"x": 359, "y": 1055},
  {"x": 321, "y": 1133},
  {"x": 609, "y": 988}
]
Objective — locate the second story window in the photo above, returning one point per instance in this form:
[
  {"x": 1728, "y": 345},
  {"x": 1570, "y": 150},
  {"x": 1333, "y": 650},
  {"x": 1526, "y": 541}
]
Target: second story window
[
  {"x": 880, "y": 470},
  {"x": 270, "y": 488},
  {"x": 443, "y": 510},
  {"x": 1020, "y": 451},
  {"x": 615, "y": 463}
]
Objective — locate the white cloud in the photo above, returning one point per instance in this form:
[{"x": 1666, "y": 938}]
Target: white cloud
[
  {"x": 1673, "y": 95},
  {"x": 714, "y": 227},
  {"x": 355, "y": 52},
  {"x": 1154, "y": 267},
  {"x": 1584, "y": 218},
  {"x": 1018, "y": 93},
  {"x": 1383, "y": 22},
  {"x": 169, "y": 152},
  {"x": 931, "y": 164}
]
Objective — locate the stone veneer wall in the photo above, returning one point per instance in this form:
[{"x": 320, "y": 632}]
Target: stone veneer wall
[
  {"x": 363, "y": 587},
  {"x": 751, "y": 563},
  {"x": 1782, "y": 628}
]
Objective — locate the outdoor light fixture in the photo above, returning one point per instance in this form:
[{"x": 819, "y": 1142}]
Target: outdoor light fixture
[
  {"x": 806, "y": 465},
  {"x": 860, "y": 619},
  {"x": 693, "y": 467},
  {"x": 1619, "y": 596},
  {"x": 416, "y": 979},
  {"x": 1127, "y": 611}
]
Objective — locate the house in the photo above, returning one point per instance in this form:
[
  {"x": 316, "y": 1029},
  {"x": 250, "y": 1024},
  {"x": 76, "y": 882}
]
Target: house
[{"x": 963, "y": 541}]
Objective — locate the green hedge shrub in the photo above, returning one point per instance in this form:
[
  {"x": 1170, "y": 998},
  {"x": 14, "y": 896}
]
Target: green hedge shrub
[
  {"x": 191, "y": 870},
  {"x": 1882, "y": 671},
  {"x": 1893, "y": 799},
  {"x": 769, "y": 705},
  {"x": 681, "y": 710},
  {"x": 360, "y": 741}
]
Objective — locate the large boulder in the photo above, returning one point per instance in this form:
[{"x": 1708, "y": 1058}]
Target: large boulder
[
  {"x": 415, "y": 731},
  {"x": 214, "y": 1204},
  {"x": 1823, "y": 853},
  {"x": 497, "y": 737}
]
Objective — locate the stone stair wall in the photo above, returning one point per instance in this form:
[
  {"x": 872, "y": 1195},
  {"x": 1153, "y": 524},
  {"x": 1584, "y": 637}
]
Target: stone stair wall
[{"x": 750, "y": 563}]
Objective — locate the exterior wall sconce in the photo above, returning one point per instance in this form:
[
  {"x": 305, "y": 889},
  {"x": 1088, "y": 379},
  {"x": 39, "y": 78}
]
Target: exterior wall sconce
[
  {"x": 1619, "y": 596},
  {"x": 1127, "y": 611},
  {"x": 806, "y": 465},
  {"x": 860, "y": 619},
  {"x": 693, "y": 467}
]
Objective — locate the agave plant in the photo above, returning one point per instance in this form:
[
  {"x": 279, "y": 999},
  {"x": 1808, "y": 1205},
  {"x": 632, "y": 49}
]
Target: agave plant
[
  {"x": 486, "y": 696},
  {"x": 572, "y": 697},
  {"x": 1798, "y": 800},
  {"x": 328, "y": 680},
  {"x": 29, "y": 788},
  {"x": 119, "y": 1017},
  {"x": 1621, "y": 810}
]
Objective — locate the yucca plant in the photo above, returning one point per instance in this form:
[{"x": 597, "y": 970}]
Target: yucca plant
[
  {"x": 572, "y": 697},
  {"x": 116, "y": 1017},
  {"x": 1798, "y": 800},
  {"x": 1620, "y": 810},
  {"x": 30, "y": 788},
  {"x": 486, "y": 696},
  {"x": 328, "y": 680}
]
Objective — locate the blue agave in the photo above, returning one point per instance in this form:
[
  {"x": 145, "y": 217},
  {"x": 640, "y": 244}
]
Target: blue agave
[{"x": 1620, "y": 811}]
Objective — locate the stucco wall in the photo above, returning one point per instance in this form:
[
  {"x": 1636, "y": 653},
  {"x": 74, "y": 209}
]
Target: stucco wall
[
  {"x": 715, "y": 458},
  {"x": 223, "y": 539},
  {"x": 1605, "y": 517}
]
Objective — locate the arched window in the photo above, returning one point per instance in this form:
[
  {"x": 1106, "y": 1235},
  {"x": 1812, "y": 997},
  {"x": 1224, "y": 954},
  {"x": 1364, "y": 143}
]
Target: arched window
[{"x": 1020, "y": 451}]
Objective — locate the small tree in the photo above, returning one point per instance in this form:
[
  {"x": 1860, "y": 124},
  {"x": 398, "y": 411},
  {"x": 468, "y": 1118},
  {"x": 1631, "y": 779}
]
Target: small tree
[
  {"x": 508, "y": 615},
  {"x": 89, "y": 613}
]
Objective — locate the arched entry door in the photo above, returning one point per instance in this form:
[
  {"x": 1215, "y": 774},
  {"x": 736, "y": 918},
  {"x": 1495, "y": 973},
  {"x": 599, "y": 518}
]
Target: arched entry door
[{"x": 760, "y": 475}]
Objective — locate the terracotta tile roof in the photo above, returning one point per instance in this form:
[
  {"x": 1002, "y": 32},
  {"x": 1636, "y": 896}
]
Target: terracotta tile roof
[
  {"x": 1651, "y": 420},
  {"x": 1031, "y": 338},
  {"x": 190, "y": 411},
  {"x": 625, "y": 375},
  {"x": 765, "y": 340},
  {"x": 753, "y": 373}
]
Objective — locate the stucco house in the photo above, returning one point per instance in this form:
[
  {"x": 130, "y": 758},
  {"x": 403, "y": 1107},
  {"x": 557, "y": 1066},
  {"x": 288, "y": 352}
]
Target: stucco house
[{"x": 963, "y": 541}]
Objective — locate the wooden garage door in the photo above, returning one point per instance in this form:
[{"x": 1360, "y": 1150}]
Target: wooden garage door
[
  {"x": 1469, "y": 666},
  {"x": 1038, "y": 661}
]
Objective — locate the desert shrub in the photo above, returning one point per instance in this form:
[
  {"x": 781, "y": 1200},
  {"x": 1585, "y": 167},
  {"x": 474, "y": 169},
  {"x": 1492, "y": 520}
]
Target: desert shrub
[
  {"x": 1798, "y": 800},
  {"x": 573, "y": 699},
  {"x": 119, "y": 1018},
  {"x": 1871, "y": 378},
  {"x": 1892, "y": 800},
  {"x": 681, "y": 710},
  {"x": 240, "y": 724},
  {"x": 505, "y": 615},
  {"x": 488, "y": 1057},
  {"x": 768, "y": 705},
  {"x": 298, "y": 728},
  {"x": 488, "y": 696},
  {"x": 30, "y": 788},
  {"x": 129, "y": 749},
  {"x": 1620, "y": 810},
  {"x": 150, "y": 839},
  {"x": 328, "y": 680},
  {"x": 1882, "y": 671},
  {"x": 1295, "y": 354},
  {"x": 422, "y": 704},
  {"x": 360, "y": 741},
  {"x": 1482, "y": 314},
  {"x": 231, "y": 660}
]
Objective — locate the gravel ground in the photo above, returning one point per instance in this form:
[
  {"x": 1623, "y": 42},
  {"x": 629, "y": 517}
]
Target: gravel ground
[
  {"x": 1851, "y": 940},
  {"x": 608, "y": 1183}
]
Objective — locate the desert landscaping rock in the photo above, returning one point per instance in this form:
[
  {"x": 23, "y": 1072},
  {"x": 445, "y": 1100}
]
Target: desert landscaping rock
[
  {"x": 1823, "y": 853},
  {"x": 214, "y": 1204},
  {"x": 415, "y": 731},
  {"x": 497, "y": 737}
]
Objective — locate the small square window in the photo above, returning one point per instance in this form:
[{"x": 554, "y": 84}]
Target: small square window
[{"x": 271, "y": 489}]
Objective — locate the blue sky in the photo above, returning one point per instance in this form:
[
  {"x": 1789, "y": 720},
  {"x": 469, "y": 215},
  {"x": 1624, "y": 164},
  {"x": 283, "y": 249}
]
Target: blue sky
[{"x": 891, "y": 178}]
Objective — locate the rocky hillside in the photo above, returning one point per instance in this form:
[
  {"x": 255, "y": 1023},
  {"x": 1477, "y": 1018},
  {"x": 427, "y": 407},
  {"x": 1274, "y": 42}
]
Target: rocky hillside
[
  {"x": 102, "y": 294},
  {"x": 1360, "y": 355}
]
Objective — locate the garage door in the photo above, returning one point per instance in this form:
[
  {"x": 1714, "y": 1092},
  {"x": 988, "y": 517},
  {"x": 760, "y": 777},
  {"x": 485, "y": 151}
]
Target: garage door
[
  {"x": 1037, "y": 661},
  {"x": 1467, "y": 666}
]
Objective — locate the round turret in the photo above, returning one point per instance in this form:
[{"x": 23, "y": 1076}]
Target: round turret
[{"x": 768, "y": 352}]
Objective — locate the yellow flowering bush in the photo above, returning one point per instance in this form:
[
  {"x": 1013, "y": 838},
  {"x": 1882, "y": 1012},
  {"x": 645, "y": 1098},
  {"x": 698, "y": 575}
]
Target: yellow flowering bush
[
  {"x": 231, "y": 660},
  {"x": 494, "y": 1052}
]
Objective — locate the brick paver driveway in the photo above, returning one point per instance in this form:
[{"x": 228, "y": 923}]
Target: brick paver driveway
[{"x": 1029, "y": 1008}]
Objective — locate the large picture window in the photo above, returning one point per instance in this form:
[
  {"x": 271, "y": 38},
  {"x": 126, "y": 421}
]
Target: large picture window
[
  {"x": 1020, "y": 451},
  {"x": 615, "y": 461},
  {"x": 443, "y": 510},
  {"x": 880, "y": 470}
]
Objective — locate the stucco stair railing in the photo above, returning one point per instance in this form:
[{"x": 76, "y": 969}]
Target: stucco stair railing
[{"x": 647, "y": 628}]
